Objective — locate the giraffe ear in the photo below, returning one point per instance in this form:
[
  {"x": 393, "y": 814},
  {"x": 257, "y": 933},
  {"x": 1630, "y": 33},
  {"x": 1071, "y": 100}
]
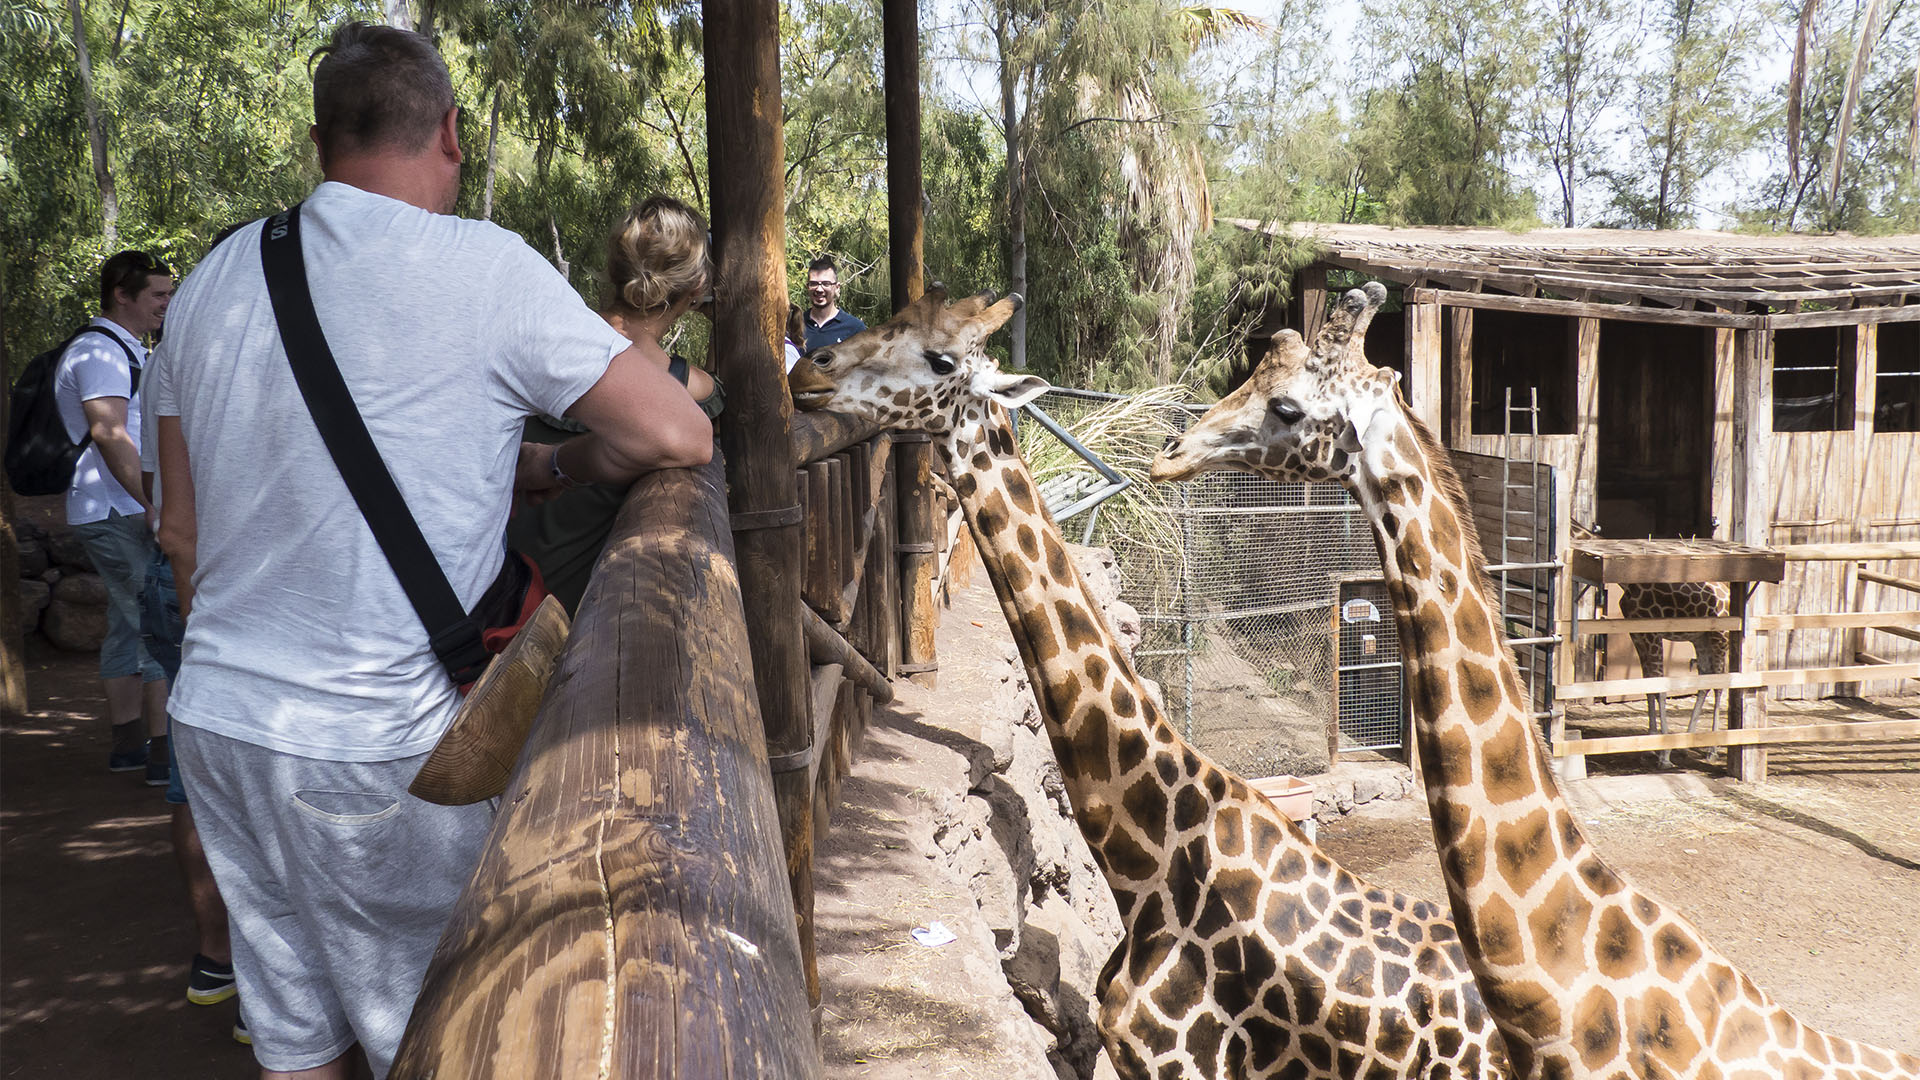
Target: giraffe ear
[{"x": 1008, "y": 389}]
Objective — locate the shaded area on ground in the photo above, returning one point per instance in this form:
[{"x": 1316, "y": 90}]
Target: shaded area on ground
[{"x": 94, "y": 925}]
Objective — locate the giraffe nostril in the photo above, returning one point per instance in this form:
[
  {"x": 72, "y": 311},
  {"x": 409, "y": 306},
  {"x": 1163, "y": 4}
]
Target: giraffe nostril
[{"x": 1168, "y": 446}]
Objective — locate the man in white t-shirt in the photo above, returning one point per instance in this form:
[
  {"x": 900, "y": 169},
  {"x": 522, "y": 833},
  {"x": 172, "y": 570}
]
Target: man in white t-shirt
[
  {"x": 95, "y": 388},
  {"x": 308, "y": 693}
]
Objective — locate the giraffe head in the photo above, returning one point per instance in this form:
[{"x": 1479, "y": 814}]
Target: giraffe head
[
  {"x": 922, "y": 368},
  {"x": 1304, "y": 414}
]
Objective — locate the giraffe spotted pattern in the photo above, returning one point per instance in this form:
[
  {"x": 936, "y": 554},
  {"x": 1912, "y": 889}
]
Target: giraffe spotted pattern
[
  {"x": 1585, "y": 974},
  {"x": 1246, "y": 951}
]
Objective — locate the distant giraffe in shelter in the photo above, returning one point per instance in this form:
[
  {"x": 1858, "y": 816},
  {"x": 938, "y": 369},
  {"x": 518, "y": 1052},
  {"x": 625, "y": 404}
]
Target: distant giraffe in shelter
[
  {"x": 1247, "y": 952},
  {"x": 1587, "y": 975},
  {"x": 1676, "y": 600}
]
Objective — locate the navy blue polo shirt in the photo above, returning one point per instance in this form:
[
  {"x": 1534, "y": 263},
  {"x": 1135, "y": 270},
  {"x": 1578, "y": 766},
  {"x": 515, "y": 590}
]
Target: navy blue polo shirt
[{"x": 832, "y": 332}]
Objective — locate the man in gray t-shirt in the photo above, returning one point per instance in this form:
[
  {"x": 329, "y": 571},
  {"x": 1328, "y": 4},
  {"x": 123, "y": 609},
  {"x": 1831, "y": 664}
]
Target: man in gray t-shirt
[{"x": 308, "y": 693}]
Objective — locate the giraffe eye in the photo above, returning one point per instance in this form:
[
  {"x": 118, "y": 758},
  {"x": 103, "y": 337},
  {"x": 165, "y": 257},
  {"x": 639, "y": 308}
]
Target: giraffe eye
[
  {"x": 822, "y": 359},
  {"x": 941, "y": 363},
  {"x": 1288, "y": 411}
]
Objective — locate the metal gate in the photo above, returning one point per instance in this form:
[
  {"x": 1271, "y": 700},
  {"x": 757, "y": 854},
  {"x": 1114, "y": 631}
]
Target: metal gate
[{"x": 1370, "y": 678}]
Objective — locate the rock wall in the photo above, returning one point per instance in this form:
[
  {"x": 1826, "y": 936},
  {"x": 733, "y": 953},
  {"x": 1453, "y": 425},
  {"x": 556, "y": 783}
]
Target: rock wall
[
  {"x": 1012, "y": 840},
  {"x": 60, "y": 595}
]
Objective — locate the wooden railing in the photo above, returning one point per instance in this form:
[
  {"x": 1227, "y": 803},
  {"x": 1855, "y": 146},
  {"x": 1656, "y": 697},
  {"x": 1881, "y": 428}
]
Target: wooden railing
[
  {"x": 636, "y": 912},
  {"x": 1748, "y": 727},
  {"x": 631, "y": 916}
]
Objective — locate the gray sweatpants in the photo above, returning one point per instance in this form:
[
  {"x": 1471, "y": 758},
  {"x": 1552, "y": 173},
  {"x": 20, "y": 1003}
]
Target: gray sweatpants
[{"x": 337, "y": 883}]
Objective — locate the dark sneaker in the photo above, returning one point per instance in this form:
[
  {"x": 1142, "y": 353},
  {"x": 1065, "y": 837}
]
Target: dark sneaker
[
  {"x": 209, "y": 983},
  {"x": 240, "y": 1033},
  {"x": 157, "y": 772},
  {"x": 127, "y": 760}
]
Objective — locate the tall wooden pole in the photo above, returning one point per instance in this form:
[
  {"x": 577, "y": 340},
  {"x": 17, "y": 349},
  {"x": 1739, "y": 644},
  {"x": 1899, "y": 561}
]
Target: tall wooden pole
[
  {"x": 745, "y": 156},
  {"x": 906, "y": 225}
]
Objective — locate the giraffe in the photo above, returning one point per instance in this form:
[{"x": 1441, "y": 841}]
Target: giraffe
[
  {"x": 1675, "y": 600},
  {"x": 1586, "y": 974},
  {"x": 1247, "y": 952}
]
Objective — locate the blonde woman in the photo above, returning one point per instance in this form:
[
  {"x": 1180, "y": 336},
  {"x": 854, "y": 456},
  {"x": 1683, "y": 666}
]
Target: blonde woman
[{"x": 657, "y": 270}]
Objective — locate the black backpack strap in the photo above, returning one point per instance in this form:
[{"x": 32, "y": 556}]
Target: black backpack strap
[
  {"x": 455, "y": 635},
  {"x": 133, "y": 367}
]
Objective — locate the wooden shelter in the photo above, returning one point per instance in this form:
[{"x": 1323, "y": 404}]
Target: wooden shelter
[{"x": 1757, "y": 389}]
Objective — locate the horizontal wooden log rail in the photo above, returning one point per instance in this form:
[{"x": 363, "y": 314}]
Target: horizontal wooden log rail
[
  {"x": 826, "y": 646},
  {"x": 1863, "y": 552},
  {"x": 1865, "y": 731},
  {"x": 631, "y": 916},
  {"x": 818, "y": 435},
  {"x": 1733, "y": 680},
  {"x": 1908, "y": 584},
  {"x": 1761, "y": 624}
]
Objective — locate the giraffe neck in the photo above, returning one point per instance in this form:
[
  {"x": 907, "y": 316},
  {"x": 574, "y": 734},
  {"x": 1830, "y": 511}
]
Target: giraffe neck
[
  {"x": 1119, "y": 758},
  {"x": 1511, "y": 852}
]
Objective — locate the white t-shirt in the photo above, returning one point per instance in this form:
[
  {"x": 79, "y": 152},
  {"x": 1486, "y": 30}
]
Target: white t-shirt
[
  {"x": 150, "y": 380},
  {"x": 94, "y": 367},
  {"x": 449, "y": 333}
]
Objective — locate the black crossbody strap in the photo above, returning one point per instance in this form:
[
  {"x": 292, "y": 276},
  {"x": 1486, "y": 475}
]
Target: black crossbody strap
[{"x": 455, "y": 635}]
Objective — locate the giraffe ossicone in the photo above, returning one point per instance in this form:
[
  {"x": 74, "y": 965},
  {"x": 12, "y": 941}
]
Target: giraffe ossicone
[
  {"x": 1587, "y": 975},
  {"x": 1246, "y": 952}
]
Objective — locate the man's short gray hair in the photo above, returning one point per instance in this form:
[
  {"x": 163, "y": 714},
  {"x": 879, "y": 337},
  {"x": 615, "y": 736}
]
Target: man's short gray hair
[{"x": 378, "y": 88}]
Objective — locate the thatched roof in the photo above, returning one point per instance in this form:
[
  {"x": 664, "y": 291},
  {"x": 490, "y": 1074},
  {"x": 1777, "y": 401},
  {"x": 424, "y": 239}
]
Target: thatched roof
[{"x": 1676, "y": 268}]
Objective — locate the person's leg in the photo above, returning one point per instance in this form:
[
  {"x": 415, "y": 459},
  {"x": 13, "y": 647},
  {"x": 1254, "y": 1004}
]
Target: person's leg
[
  {"x": 294, "y": 1018},
  {"x": 203, "y": 897},
  {"x": 123, "y": 663},
  {"x": 123, "y": 710},
  {"x": 153, "y": 702}
]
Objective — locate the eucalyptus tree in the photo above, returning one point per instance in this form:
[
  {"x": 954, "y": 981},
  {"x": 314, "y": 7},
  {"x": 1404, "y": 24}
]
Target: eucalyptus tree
[
  {"x": 1693, "y": 110},
  {"x": 1846, "y": 133},
  {"x": 1442, "y": 127},
  {"x": 1586, "y": 51}
]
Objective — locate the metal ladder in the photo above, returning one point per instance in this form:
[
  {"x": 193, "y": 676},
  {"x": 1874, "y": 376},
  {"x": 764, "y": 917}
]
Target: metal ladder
[{"x": 1533, "y": 527}]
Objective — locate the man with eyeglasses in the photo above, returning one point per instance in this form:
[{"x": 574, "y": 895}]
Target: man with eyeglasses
[
  {"x": 826, "y": 324},
  {"x": 97, "y": 391}
]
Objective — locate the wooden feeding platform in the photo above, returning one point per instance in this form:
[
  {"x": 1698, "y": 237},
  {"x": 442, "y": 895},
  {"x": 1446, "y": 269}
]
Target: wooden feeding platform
[
  {"x": 1637, "y": 562},
  {"x": 1744, "y": 567}
]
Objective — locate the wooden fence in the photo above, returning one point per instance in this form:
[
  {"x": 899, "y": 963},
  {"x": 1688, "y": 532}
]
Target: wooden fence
[
  {"x": 635, "y": 913},
  {"x": 1747, "y": 732}
]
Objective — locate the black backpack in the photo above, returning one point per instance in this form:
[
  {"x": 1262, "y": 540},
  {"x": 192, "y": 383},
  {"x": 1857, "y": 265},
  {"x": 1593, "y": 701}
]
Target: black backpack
[{"x": 40, "y": 456}]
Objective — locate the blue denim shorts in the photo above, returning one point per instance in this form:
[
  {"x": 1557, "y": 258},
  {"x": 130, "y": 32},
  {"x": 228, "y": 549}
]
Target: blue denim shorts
[
  {"x": 121, "y": 549},
  {"x": 161, "y": 630}
]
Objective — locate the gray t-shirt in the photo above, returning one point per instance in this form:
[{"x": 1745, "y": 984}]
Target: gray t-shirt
[{"x": 449, "y": 333}]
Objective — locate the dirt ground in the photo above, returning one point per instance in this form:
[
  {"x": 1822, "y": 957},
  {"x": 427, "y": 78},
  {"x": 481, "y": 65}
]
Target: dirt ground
[
  {"x": 1811, "y": 882},
  {"x": 94, "y": 932}
]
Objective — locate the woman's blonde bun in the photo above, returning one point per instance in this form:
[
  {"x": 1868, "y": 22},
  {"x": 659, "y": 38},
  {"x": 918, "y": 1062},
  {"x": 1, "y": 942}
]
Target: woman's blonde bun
[{"x": 658, "y": 256}]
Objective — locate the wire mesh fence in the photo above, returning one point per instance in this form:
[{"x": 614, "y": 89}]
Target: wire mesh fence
[{"x": 1239, "y": 584}]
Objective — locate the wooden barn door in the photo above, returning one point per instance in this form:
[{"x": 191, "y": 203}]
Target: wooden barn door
[{"x": 1655, "y": 453}]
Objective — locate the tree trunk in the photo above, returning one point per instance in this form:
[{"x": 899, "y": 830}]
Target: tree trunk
[
  {"x": 399, "y": 15},
  {"x": 493, "y": 136},
  {"x": 1016, "y": 201},
  {"x": 560, "y": 262},
  {"x": 96, "y": 138},
  {"x": 13, "y": 653}
]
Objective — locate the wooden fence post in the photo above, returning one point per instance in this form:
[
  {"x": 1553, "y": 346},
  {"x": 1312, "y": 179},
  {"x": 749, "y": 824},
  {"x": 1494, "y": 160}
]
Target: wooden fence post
[
  {"x": 919, "y": 558},
  {"x": 900, "y": 36},
  {"x": 745, "y": 164}
]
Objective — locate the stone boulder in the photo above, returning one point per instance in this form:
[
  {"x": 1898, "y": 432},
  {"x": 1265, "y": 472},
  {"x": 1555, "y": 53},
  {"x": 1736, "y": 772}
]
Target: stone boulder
[
  {"x": 34, "y": 598},
  {"x": 76, "y": 618},
  {"x": 65, "y": 549},
  {"x": 34, "y": 559}
]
